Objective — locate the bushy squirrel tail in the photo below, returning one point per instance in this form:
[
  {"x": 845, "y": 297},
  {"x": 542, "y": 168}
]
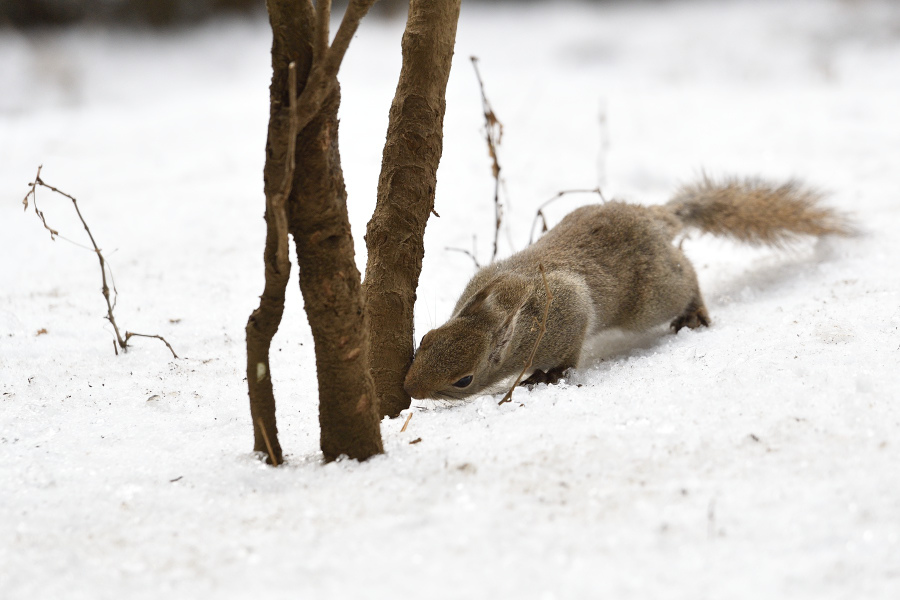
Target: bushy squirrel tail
[{"x": 755, "y": 211}]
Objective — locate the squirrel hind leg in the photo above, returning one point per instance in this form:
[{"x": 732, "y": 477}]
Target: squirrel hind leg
[{"x": 694, "y": 316}]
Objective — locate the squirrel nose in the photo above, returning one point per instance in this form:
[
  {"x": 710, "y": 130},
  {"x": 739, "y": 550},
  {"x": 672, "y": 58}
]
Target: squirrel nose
[{"x": 414, "y": 391}]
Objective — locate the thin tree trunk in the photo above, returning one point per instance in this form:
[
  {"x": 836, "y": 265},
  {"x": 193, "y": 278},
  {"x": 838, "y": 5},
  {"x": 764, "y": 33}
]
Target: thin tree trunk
[
  {"x": 406, "y": 188},
  {"x": 329, "y": 279},
  {"x": 332, "y": 293},
  {"x": 292, "y": 31}
]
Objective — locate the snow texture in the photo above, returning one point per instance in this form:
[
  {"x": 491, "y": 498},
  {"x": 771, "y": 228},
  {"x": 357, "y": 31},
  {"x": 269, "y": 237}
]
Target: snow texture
[{"x": 754, "y": 459}]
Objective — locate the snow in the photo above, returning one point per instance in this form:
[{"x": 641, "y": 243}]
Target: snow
[{"x": 754, "y": 459}]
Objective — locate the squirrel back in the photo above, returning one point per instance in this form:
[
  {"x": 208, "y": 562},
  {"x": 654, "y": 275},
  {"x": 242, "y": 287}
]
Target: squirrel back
[{"x": 610, "y": 265}]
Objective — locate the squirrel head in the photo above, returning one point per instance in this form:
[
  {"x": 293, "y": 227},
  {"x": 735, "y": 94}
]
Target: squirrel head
[{"x": 471, "y": 352}]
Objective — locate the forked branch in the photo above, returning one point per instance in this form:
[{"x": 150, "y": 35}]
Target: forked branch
[
  {"x": 104, "y": 266},
  {"x": 327, "y": 59},
  {"x": 320, "y": 83}
]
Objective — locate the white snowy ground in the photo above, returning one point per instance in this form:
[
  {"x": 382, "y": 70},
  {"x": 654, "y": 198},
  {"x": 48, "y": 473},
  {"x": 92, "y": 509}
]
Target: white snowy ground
[{"x": 755, "y": 459}]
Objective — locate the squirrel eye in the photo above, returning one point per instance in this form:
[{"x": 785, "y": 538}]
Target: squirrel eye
[{"x": 464, "y": 382}]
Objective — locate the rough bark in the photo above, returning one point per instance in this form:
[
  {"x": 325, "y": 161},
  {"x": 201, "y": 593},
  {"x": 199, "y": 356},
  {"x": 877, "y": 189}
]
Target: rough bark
[
  {"x": 313, "y": 200},
  {"x": 332, "y": 292},
  {"x": 406, "y": 188},
  {"x": 291, "y": 33},
  {"x": 329, "y": 280}
]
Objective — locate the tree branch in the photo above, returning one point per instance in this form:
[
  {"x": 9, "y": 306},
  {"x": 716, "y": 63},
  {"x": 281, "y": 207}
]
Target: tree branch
[
  {"x": 356, "y": 10},
  {"x": 323, "y": 75},
  {"x": 323, "y": 23}
]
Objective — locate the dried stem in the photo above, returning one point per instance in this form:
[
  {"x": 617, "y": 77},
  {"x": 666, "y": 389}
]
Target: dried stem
[
  {"x": 272, "y": 458},
  {"x": 131, "y": 334},
  {"x": 110, "y": 303},
  {"x": 540, "y": 211},
  {"x": 541, "y": 331},
  {"x": 470, "y": 254},
  {"x": 405, "y": 423},
  {"x": 466, "y": 252},
  {"x": 493, "y": 134}
]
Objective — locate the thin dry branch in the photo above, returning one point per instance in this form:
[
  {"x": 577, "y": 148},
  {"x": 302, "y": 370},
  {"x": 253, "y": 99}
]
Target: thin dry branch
[
  {"x": 537, "y": 342},
  {"x": 272, "y": 458},
  {"x": 104, "y": 266},
  {"x": 466, "y": 252},
  {"x": 470, "y": 254},
  {"x": 131, "y": 334},
  {"x": 540, "y": 211},
  {"x": 493, "y": 135},
  {"x": 406, "y": 422}
]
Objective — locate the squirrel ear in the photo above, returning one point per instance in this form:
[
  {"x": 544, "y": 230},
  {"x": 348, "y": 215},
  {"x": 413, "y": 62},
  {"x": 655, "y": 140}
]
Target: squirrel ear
[{"x": 503, "y": 337}]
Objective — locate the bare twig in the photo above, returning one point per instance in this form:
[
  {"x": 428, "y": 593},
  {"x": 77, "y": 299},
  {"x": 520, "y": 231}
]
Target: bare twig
[
  {"x": 540, "y": 211},
  {"x": 493, "y": 135},
  {"x": 466, "y": 252},
  {"x": 104, "y": 266},
  {"x": 53, "y": 233},
  {"x": 405, "y": 423},
  {"x": 537, "y": 342},
  {"x": 272, "y": 457},
  {"x": 131, "y": 334}
]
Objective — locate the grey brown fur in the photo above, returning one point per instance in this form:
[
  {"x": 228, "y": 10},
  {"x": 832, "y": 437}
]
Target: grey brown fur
[{"x": 609, "y": 265}]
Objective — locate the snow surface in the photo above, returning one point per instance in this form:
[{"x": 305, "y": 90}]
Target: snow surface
[{"x": 755, "y": 459}]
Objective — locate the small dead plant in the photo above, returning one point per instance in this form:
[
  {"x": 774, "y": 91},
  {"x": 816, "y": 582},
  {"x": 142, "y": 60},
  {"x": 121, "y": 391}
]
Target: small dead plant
[{"x": 120, "y": 341}]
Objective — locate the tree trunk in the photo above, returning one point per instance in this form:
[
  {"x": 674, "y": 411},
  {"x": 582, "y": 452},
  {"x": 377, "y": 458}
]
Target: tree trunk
[
  {"x": 330, "y": 281},
  {"x": 406, "y": 188},
  {"x": 332, "y": 293}
]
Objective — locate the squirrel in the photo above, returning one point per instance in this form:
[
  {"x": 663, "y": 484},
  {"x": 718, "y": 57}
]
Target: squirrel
[{"x": 608, "y": 266}]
